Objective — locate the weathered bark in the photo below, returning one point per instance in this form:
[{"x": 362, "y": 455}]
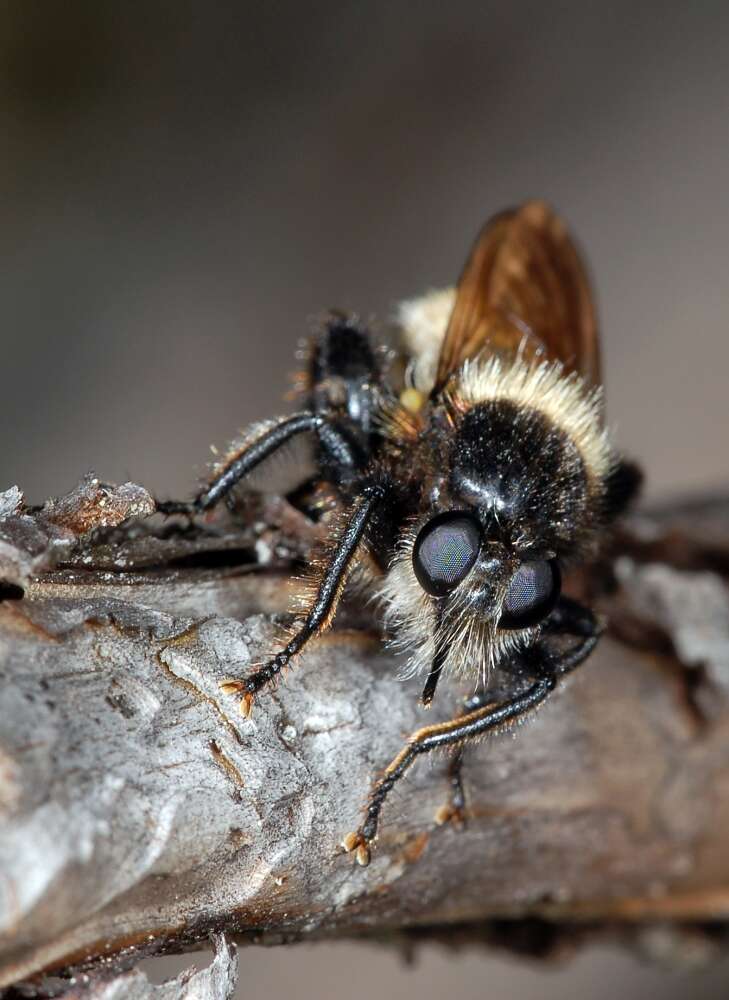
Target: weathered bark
[
  {"x": 140, "y": 812},
  {"x": 217, "y": 981}
]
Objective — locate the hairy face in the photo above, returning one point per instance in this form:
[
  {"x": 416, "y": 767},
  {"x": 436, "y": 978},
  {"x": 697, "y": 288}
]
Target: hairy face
[{"x": 461, "y": 620}]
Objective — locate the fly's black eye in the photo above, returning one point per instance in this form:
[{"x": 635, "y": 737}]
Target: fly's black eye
[
  {"x": 444, "y": 552},
  {"x": 532, "y": 594}
]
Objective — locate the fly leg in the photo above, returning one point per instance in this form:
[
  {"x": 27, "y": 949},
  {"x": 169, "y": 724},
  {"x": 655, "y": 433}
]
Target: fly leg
[
  {"x": 539, "y": 661},
  {"x": 341, "y": 451},
  {"x": 331, "y": 583},
  {"x": 454, "y": 810}
]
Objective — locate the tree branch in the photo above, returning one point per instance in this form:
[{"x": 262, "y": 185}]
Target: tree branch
[
  {"x": 140, "y": 812},
  {"x": 216, "y": 982}
]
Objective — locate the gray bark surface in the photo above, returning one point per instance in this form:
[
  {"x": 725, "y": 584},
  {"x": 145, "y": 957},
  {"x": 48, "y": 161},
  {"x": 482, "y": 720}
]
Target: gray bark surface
[
  {"x": 215, "y": 982},
  {"x": 140, "y": 812}
]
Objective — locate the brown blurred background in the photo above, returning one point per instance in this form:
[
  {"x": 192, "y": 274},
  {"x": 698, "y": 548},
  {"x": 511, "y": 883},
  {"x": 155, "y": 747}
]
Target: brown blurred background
[{"x": 183, "y": 185}]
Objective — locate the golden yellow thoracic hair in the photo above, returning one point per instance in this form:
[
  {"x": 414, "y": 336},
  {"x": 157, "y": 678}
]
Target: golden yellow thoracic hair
[
  {"x": 564, "y": 400},
  {"x": 542, "y": 386}
]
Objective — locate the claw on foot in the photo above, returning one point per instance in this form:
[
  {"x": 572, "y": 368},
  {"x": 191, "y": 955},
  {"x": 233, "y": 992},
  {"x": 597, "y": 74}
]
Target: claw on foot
[
  {"x": 231, "y": 687},
  {"x": 236, "y": 687},
  {"x": 450, "y": 814},
  {"x": 354, "y": 843}
]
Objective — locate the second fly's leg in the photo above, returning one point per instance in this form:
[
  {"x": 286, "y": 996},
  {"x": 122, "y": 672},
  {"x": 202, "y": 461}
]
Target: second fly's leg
[
  {"x": 454, "y": 810},
  {"x": 323, "y": 608},
  {"x": 342, "y": 452},
  {"x": 460, "y": 730}
]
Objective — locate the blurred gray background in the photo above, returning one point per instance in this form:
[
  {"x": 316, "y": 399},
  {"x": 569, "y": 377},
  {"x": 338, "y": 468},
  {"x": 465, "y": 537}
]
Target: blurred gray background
[{"x": 184, "y": 185}]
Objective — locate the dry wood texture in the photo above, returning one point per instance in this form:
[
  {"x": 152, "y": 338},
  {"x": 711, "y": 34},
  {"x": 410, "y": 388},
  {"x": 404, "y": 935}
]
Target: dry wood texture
[
  {"x": 215, "y": 982},
  {"x": 140, "y": 812}
]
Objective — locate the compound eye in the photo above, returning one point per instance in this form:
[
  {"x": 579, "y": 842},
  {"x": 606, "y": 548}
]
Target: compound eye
[
  {"x": 444, "y": 552},
  {"x": 532, "y": 594}
]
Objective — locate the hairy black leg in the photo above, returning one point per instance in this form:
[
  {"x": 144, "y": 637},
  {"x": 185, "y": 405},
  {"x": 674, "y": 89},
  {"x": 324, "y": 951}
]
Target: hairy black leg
[
  {"x": 539, "y": 661},
  {"x": 446, "y": 734},
  {"x": 325, "y": 603},
  {"x": 342, "y": 452}
]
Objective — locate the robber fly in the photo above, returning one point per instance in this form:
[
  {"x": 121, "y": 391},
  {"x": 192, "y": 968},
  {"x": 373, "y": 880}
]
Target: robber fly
[{"x": 462, "y": 493}]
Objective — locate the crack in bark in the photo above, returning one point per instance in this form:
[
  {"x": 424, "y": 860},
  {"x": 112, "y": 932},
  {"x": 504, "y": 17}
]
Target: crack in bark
[
  {"x": 227, "y": 765},
  {"x": 198, "y": 694}
]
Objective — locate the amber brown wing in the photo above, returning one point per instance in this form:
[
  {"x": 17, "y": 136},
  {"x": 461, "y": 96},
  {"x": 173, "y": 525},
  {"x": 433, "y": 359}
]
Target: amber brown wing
[{"x": 524, "y": 288}]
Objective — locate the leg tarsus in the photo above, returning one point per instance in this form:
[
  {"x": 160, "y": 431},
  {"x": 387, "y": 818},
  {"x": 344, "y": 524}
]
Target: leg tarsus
[
  {"x": 354, "y": 843},
  {"x": 454, "y": 733},
  {"x": 454, "y": 810},
  {"x": 323, "y": 607},
  {"x": 237, "y": 687}
]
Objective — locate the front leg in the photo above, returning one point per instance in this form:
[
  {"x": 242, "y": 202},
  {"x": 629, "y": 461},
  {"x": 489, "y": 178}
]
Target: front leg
[
  {"x": 540, "y": 661},
  {"x": 323, "y": 608},
  {"x": 341, "y": 451},
  {"x": 569, "y": 617}
]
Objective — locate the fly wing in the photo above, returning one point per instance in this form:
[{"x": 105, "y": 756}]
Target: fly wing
[{"x": 524, "y": 291}]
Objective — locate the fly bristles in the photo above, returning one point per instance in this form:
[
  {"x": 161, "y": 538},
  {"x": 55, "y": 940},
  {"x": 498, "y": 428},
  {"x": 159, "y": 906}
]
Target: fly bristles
[
  {"x": 475, "y": 645},
  {"x": 454, "y": 404},
  {"x": 396, "y": 422},
  {"x": 299, "y": 385},
  {"x": 563, "y": 398},
  {"x": 490, "y": 650}
]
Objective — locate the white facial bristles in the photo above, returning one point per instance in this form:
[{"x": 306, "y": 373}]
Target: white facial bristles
[
  {"x": 408, "y": 612},
  {"x": 474, "y": 647},
  {"x": 423, "y": 322},
  {"x": 563, "y": 399}
]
